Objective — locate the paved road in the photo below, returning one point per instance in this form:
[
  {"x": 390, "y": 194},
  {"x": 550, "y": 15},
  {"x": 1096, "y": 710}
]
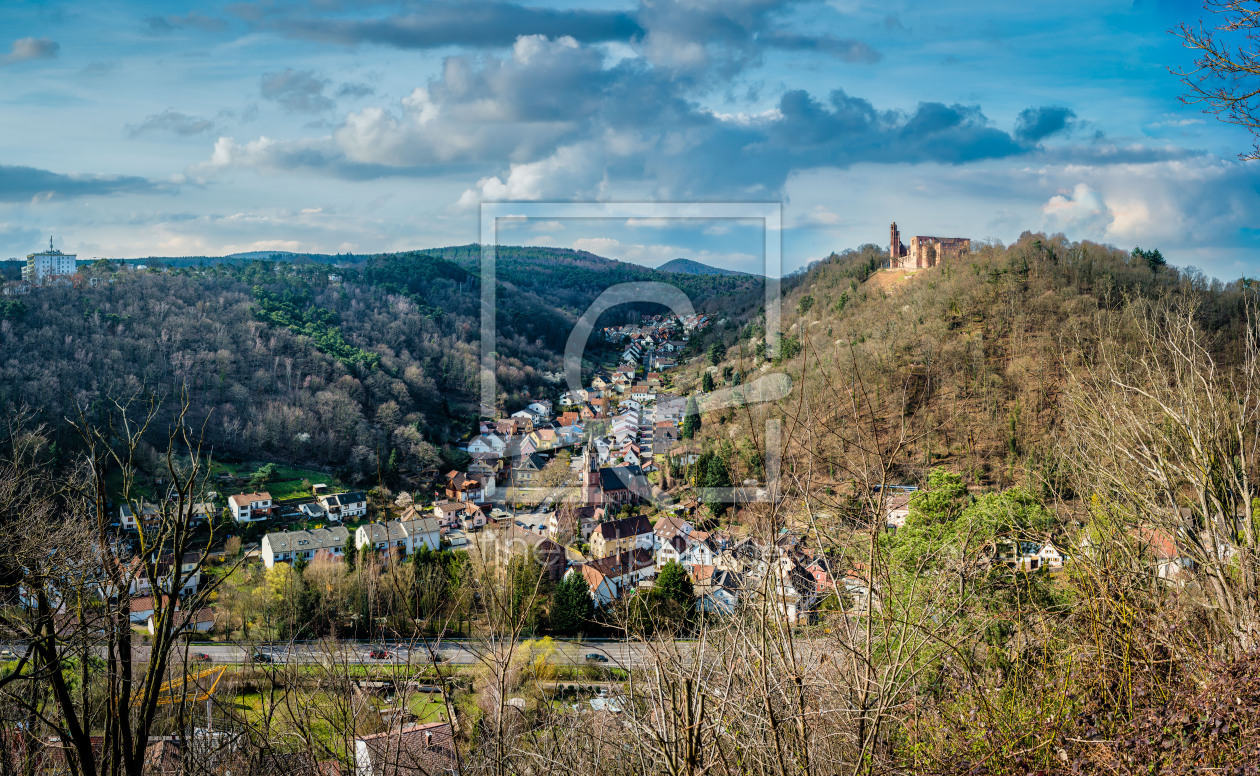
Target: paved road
[{"x": 617, "y": 654}]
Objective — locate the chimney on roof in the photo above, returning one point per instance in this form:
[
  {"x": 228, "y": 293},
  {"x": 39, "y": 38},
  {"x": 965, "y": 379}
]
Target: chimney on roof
[{"x": 428, "y": 739}]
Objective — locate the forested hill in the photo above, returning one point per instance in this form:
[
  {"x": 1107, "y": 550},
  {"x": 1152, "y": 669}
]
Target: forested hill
[
  {"x": 975, "y": 352},
  {"x": 347, "y": 366},
  {"x": 689, "y": 267}
]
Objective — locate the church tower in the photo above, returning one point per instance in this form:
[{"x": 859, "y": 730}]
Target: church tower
[{"x": 592, "y": 493}]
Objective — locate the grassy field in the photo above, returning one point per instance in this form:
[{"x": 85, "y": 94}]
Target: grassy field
[
  {"x": 325, "y": 719},
  {"x": 288, "y": 481}
]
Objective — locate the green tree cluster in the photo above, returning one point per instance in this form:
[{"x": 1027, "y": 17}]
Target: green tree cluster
[{"x": 572, "y": 609}]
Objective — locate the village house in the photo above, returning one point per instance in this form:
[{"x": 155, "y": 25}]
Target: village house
[
  {"x": 487, "y": 444},
  {"x": 482, "y": 465},
  {"x": 1024, "y": 555},
  {"x": 149, "y": 516},
  {"x": 897, "y": 509},
  {"x": 288, "y": 546},
  {"x": 344, "y": 506},
  {"x": 579, "y": 521},
  {"x": 182, "y": 581},
  {"x": 1159, "y": 545},
  {"x": 476, "y": 516},
  {"x": 670, "y": 551},
  {"x": 143, "y": 606},
  {"x": 499, "y": 543},
  {"x": 632, "y": 454},
  {"x": 616, "y": 536},
  {"x": 793, "y": 592},
  {"x": 669, "y": 526},
  {"x": 448, "y": 513},
  {"x": 526, "y": 472},
  {"x": 717, "y": 590},
  {"x": 670, "y": 408},
  {"x": 702, "y": 550},
  {"x": 404, "y": 536},
  {"x": 203, "y": 511},
  {"x": 201, "y": 621},
  {"x": 250, "y": 507},
  {"x": 665, "y": 433},
  {"x": 523, "y": 421},
  {"x": 819, "y": 567},
  {"x": 609, "y": 577},
  {"x": 643, "y": 393},
  {"x": 427, "y": 749},
  {"x": 542, "y": 439},
  {"x": 463, "y": 486}
]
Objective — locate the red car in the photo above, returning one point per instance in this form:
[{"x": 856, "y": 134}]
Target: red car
[
  {"x": 378, "y": 654},
  {"x": 201, "y": 657}
]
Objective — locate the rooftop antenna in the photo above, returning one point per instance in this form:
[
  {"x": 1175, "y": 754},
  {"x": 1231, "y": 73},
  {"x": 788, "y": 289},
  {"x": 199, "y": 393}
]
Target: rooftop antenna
[{"x": 50, "y": 243}]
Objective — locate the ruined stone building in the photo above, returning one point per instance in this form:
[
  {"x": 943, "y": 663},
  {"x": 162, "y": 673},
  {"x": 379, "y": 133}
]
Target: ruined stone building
[{"x": 924, "y": 251}]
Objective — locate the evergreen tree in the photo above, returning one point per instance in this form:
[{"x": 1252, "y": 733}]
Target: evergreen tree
[
  {"x": 391, "y": 467},
  {"x": 715, "y": 353},
  {"x": 691, "y": 419},
  {"x": 706, "y": 382},
  {"x": 571, "y": 606},
  {"x": 715, "y": 474},
  {"x": 672, "y": 584},
  {"x": 527, "y": 589},
  {"x": 265, "y": 473}
]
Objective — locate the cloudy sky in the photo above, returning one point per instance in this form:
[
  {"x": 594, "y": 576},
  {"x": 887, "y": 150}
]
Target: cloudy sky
[{"x": 135, "y": 128}]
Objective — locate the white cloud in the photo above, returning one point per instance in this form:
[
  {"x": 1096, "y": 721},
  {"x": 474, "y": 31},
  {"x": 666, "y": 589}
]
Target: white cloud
[
  {"x": 570, "y": 169},
  {"x": 1081, "y": 210}
]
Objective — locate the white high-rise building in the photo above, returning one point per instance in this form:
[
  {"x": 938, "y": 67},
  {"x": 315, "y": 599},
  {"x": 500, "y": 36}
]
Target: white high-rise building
[{"x": 49, "y": 263}]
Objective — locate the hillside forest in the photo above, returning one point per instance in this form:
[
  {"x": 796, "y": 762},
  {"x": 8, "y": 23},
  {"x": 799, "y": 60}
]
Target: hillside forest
[{"x": 339, "y": 367}]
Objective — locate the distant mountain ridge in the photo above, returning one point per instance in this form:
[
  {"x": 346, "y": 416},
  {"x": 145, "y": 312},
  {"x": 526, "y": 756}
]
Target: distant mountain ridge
[{"x": 690, "y": 267}]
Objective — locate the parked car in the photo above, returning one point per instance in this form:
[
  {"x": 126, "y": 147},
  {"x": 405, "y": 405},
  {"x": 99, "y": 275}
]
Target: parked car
[
  {"x": 7, "y": 654},
  {"x": 595, "y": 657},
  {"x": 201, "y": 657},
  {"x": 262, "y": 657},
  {"x": 378, "y": 654}
]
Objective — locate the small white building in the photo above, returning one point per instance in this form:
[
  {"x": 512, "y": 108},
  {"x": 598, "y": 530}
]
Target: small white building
[
  {"x": 250, "y": 507},
  {"x": 201, "y": 621},
  {"x": 896, "y": 510},
  {"x": 344, "y": 506},
  {"x": 487, "y": 444},
  {"x": 144, "y": 513}
]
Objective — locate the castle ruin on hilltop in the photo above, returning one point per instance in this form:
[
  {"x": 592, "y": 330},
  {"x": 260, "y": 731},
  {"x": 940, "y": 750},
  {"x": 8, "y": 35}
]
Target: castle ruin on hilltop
[{"x": 924, "y": 252}]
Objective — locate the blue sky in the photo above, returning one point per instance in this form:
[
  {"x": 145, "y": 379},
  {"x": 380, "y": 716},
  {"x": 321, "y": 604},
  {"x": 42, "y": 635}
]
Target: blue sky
[{"x": 145, "y": 128}]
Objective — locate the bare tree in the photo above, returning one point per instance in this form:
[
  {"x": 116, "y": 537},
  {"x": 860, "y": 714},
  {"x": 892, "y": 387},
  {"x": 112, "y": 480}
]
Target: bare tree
[
  {"x": 1225, "y": 78},
  {"x": 1167, "y": 435},
  {"x": 98, "y": 692}
]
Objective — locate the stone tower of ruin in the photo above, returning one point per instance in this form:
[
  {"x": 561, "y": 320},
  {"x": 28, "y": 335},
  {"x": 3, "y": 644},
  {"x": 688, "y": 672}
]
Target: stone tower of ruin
[{"x": 894, "y": 246}]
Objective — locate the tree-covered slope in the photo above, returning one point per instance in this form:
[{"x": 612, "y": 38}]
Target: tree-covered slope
[{"x": 345, "y": 367}]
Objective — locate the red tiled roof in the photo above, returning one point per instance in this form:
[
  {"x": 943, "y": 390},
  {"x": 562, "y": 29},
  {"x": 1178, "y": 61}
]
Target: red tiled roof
[{"x": 419, "y": 749}]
